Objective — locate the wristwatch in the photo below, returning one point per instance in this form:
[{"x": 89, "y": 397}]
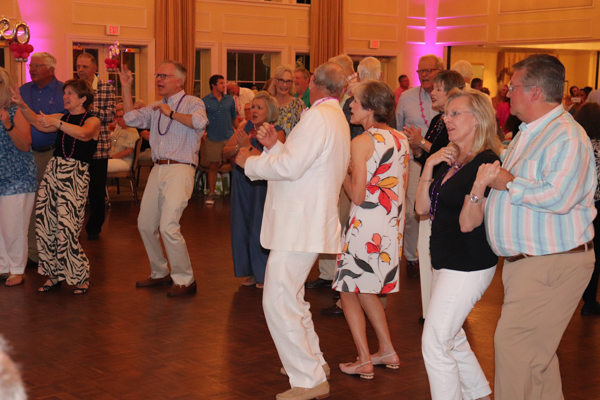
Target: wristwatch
[
  {"x": 475, "y": 199},
  {"x": 423, "y": 141},
  {"x": 508, "y": 185}
]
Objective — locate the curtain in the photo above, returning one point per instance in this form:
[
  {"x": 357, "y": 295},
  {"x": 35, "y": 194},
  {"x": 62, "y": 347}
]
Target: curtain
[
  {"x": 326, "y": 36},
  {"x": 176, "y": 34},
  {"x": 504, "y": 69}
]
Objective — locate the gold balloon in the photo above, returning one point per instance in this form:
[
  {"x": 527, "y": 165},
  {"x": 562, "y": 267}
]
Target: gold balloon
[
  {"x": 4, "y": 26},
  {"x": 22, "y": 25}
]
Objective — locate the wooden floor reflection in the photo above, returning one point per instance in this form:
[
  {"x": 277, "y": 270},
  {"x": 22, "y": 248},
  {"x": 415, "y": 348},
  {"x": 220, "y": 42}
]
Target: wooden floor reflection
[{"x": 119, "y": 342}]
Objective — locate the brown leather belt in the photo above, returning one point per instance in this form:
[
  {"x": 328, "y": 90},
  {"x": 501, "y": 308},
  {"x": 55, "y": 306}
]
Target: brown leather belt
[
  {"x": 579, "y": 249},
  {"x": 169, "y": 162}
]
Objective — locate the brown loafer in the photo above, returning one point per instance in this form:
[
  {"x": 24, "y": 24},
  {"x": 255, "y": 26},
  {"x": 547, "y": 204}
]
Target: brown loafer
[
  {"x": 320, "y": 391},
  {"x": 181, "y": 290},
  {"x": 155, "y": 282}
]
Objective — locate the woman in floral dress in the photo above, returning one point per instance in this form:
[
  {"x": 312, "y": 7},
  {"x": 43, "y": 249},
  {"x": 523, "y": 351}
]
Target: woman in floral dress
[
  {"x": 290, "y": 107},
  {"x": 372, "y": 240}
]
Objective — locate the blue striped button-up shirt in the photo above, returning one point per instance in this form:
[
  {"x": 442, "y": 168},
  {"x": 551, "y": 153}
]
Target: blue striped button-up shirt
[
  {"x": 178, "y": 142},
  {"x": 550, "y": 205}
]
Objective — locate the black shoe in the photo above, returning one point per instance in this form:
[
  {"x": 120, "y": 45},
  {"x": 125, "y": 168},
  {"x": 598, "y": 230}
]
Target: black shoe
[
  {"x": 93, "y": 236},
  {"x": 319, "y": 283},
  {"x": 590, "y": 309},
  {"x": 336, "y": 295},
  {"x": 412, "y": 269},
  {"x": 332, "y": 311},
  {"x": 421, "y": 320}
]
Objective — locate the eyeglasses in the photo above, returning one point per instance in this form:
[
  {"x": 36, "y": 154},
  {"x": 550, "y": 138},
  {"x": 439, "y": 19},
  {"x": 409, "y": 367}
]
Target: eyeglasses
[
  {"x": 427, "y": 71},
  {"x": 36, "y": 66},
  {"x": 162, "y": 76},
  {"x": 512, "y": 88},
  {"x": 454, "y": 114},
  {"x": 284, "y": 82}
]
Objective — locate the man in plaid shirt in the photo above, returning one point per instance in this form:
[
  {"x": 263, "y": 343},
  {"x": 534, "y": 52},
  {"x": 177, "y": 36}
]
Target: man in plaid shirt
[{"x": 104, "y": 109}]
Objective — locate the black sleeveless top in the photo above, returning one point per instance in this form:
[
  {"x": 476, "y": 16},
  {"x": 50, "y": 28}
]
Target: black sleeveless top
[{"x": 82, "y": 151}]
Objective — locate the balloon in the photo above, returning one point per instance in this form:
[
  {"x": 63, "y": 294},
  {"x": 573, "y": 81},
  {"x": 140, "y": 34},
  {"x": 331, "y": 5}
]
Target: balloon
[
  {"x": 21, "y": 47},
  {"x": 26, "y": 33},
  {"x": 17, "y": 54},
  {"x": 29, "y": 48},
  {"x": 13, "y": 47},
  {"x": 25, "y": 55}
]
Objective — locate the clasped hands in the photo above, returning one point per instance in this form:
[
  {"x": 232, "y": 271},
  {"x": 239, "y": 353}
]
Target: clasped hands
[
  {"x": 493, "y": 175},
  {"x": 266, "y": 135}
]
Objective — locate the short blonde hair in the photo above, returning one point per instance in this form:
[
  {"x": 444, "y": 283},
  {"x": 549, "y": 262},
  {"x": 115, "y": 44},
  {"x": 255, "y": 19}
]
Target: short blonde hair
[
  {"x": 279, "y": 71},
  {"x": 486, "y": 130},
  {"x": 5, "y": 95},
  {"x": 271, "y": 104}
]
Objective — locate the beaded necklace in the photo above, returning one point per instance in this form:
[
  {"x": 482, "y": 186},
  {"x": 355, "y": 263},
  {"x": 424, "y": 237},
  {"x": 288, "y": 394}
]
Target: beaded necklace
[
  {"x": 422, "y": 109},
  {"x": 51, "y": 101},
  {"x": 456, "y": 166},
  {"x": 437, "y": 130},
  {"x": 171, "y": 121},
  {"x": 74, "y": 140}
]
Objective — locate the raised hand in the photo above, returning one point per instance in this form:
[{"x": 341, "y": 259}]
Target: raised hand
[
  {"x": 243, "y": 140},
  {"x": 267, "y": 135},
  {"x": 414, "y": 135},
  {"x": 15, "y": 97},
  {"x": 445, "y": 154},
  {"x": 125, "y": 76}
]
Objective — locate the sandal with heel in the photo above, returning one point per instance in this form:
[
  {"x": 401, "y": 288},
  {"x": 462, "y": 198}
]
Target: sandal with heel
[
  {"x": 380, "y": 361},
  {"x": 55, "y": 284},
  {"x": 81, "y": 290},
  {"x": 347, "y": 368}
]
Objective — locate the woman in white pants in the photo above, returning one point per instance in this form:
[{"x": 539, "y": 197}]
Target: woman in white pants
[
  {"x": 463, "y": 262},
  {"x": 17, "y": 186}
]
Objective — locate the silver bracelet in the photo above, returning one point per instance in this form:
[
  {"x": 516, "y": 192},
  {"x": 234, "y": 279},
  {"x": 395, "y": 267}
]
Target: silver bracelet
[{"x": 475, "y": 199}]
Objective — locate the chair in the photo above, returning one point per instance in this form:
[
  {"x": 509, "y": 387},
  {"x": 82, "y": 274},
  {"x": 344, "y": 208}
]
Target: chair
[
  {"x": 225, "y": 168},
  {"x": 131, "y": 174}
]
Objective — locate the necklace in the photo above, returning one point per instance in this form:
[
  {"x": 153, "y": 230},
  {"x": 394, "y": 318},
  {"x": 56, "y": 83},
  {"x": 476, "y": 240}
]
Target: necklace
[
  {"x": 74, "y": 140},
  {"x": 422, "y": 109},
  {"x": 32, "y": 102},
  {"x": 171, "y": 121},
  {"x": 456, "y": 166},
  {"x": 510, "y": 150},
  {"x": 323, "y": 100},
  {"x": 439, "y": 126}
]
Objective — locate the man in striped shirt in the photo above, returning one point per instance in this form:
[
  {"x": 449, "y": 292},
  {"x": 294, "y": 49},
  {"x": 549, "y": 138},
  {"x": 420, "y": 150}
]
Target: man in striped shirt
[{"x": 539, "y": 217}]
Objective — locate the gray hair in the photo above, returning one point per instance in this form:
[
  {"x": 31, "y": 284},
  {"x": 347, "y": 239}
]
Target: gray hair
[
  {"x": 546, "y": 72},
  {"x": 330, "y": 77},
  {"x": 439, "y": 63},
  {"x": 49, "y": 59},
  {"x": 345, "y": 62},
  {"x": 11, "y": 384},
  {"x": 464, "y": 68},
  {"x": 180, "y": 70},
  {"x": 369, "y": 68}
]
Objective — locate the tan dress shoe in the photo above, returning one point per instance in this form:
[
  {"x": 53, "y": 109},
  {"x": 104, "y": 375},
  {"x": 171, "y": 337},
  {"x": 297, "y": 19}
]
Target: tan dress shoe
[
  {"x": 320, "y": 391},
  {"x": 325, "y": 366}
]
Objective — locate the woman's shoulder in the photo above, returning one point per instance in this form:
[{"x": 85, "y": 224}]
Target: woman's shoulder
[{"x": 486, "y": 157}]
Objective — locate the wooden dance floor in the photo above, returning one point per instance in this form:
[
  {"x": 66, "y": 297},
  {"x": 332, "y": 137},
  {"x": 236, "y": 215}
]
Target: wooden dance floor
[{"x": 119, "y": 343}]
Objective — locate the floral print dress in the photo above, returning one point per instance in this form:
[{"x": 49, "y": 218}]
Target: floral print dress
[
  {"x": 290, "y": 114},
  {"x": 372, "y": 239}
]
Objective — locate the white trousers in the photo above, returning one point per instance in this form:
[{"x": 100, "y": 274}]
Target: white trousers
[
  {"x": 15, "y": 211},
  {"x": 166, "y": 195},
  {"x": 289, "y": 319},
  {"x": 118, "y": 165},
  {"x": 411, "y": 228},
  {"x": 453, "y": 370},
  {"x": 425, "y": 269}
]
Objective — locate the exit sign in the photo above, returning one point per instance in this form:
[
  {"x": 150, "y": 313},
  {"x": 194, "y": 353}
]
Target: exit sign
[
  {"x": 374, "y": 44},
  {"x": 113, "y": 30}
]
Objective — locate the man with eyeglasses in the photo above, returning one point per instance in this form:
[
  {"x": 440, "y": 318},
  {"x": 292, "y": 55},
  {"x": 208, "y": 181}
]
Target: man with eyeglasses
[
  {"x": 222, "y": 120},
  {"x": 104, "y": 109},
  {"x": 176, "y": 126},
  {"x": 414, "y": 110},
  {"x": 539, "y": 218},
  {"x": 42, "y": 94}
]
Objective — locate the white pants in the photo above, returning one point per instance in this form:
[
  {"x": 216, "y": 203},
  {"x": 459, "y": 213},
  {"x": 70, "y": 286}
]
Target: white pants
[
  {"x": 425, "y": 269},
  {"x": 166, "y": 195},
  {"x": 289, "y": 319},
  {"x": 118, "y": 165},
  {"x": 327, "y": 262},
  {"x": 15, "y": 211},
  {"x": 411, "y": 228},
  {"x": 453, "y": 370}
]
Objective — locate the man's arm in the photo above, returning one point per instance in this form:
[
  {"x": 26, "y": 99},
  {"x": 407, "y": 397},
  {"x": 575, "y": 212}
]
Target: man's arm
[
  {"x": 196, "y": 120},
  {"x": 126, "y": 78}
]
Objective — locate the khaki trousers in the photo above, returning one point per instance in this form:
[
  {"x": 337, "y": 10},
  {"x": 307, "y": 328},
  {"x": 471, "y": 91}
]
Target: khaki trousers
[{"x": 540, "y": 297}]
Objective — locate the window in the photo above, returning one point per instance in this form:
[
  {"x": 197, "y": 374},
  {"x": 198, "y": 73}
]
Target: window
[
  {"x": 302, "y": 60},
  {"x": 129, "y": 56},
  {"x": 2, "y": 62},
  {"x": 249, "y": 69}
]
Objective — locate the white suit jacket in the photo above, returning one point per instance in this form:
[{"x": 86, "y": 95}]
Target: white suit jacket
[{"x": 305, "y": 177}]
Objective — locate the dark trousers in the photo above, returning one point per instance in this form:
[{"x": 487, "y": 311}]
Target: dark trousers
[
  {"x": 97, "y": 195},
  {"x": 589, "y": 295}
]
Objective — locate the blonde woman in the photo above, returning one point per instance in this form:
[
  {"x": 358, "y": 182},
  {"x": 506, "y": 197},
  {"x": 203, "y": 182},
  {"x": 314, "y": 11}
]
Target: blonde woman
[
  {"x": 463, "y": 262},
  {"x": 290, "y": 107}
]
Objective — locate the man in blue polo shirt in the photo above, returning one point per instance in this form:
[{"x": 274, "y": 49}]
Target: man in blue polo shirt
[
  {"x": 44, "y": 93},
  {"x": 222, "y": 119}
]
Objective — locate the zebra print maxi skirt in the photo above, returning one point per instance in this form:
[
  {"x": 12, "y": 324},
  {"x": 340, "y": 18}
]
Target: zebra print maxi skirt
[{"x": 59, "y": 213}]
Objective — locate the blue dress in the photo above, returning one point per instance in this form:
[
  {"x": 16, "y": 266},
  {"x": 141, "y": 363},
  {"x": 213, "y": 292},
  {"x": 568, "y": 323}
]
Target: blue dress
[
  {"x": 247, "y": 205},
  {"x": 17, "y": 168}
]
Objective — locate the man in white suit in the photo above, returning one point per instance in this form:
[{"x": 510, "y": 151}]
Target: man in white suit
[{"x": 300, "y": 221}]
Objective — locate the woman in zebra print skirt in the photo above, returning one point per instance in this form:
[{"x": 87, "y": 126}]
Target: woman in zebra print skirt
[{"x": 63, "y": 191}]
